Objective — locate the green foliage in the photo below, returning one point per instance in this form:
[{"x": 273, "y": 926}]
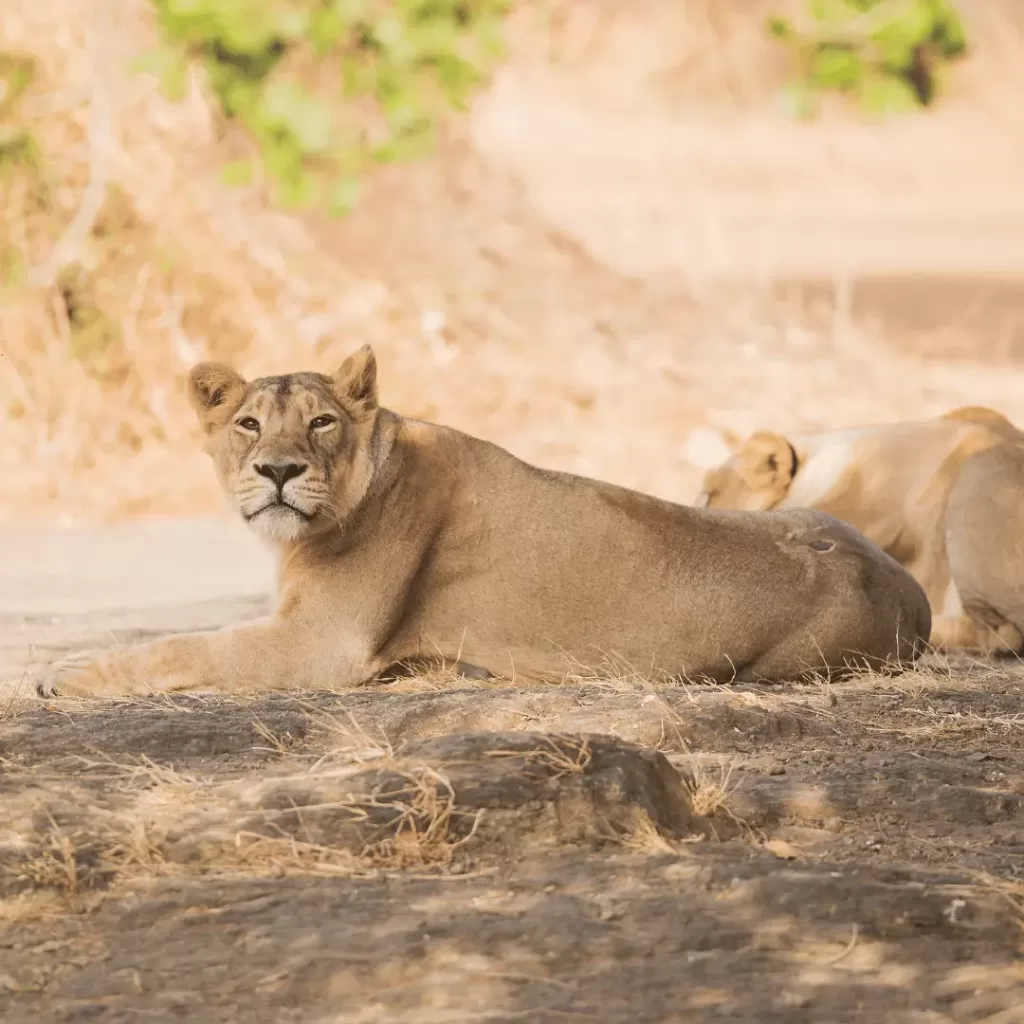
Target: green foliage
[
  {"x": 21, "y": 161},
  {"x": 17, "y": 147},
  {"x": 888, "y": 54},
  {"x": 16, "y": 74},
  {"x": 326, "y": 88}
]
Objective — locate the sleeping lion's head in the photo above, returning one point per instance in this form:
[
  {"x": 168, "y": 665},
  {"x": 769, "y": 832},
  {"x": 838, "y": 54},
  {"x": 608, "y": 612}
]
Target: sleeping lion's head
[
  {"x": 755, "y": 475},
  {"x": 293, "y": 453}
]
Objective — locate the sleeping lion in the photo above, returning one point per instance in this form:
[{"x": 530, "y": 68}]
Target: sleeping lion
[
  {"x": 944, "y": 497},
  {"x": 403, "y": 543}
]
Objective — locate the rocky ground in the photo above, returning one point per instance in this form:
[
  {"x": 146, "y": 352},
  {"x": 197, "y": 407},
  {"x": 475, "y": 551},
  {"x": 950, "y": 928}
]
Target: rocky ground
[{"x": 436, "y": 851}]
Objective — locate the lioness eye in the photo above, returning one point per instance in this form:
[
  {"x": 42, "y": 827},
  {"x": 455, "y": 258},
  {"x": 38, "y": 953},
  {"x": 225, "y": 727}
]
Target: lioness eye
[
  {"x": 248, "y": 423},
  {"x": 321, "y": 422}
]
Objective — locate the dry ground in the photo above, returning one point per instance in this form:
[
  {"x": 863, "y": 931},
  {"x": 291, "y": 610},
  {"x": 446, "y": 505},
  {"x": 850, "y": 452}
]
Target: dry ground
[{"x": 434, "y": 851}]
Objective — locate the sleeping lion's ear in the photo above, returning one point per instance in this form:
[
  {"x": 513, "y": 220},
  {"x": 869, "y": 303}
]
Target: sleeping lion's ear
[
  {"x": 214, "y": 389},
  {"x": 768, "y": 461},
  {"x": 355, "y": 383}
]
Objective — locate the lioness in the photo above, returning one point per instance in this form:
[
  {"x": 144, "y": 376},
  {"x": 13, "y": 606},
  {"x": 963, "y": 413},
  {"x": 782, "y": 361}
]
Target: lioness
[
  {"x": 402, "y": 541},
  {"x": 941, "y": 496}
]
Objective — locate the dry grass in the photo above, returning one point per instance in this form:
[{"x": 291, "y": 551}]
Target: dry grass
[
  {"x": 424, "y": 829},
  {"x": 345, "y": 802},
  {"x": 154, "y": 821},
  {"x": 349, "y": 741},
  {"x": 163, "y": 265},
  {"x": 558, "y": 755},
  {"x": 710, "y": 788},
  {"x": 55, "y": 866},
  {"x": 645, "y": 837}
]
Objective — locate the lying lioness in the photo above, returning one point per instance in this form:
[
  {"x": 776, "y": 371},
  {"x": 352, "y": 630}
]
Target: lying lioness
[
  {"x": 403, "y": 542},
  {"x": 944, "y": 497}
]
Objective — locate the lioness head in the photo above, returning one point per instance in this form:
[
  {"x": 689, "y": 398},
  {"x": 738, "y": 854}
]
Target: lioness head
[
  {"x": 755, "y": 477},
  {"x": 293, "y": 453}
]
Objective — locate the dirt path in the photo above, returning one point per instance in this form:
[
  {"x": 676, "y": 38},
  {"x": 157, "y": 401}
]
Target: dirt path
[
  {"x": 88, "y": 587},
  {"x": 435, "y": 852}
]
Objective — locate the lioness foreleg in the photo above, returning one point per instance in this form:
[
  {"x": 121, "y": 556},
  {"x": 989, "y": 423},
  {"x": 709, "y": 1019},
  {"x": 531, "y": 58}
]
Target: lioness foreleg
[{"x": 264, "y": 654}]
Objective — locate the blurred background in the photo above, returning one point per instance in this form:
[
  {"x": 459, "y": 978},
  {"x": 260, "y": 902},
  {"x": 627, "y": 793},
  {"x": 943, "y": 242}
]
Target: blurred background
[{"x": 578, "y": 228}]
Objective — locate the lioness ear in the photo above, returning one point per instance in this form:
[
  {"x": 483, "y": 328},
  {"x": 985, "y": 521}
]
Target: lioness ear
[
  {"x": 355, "y": 383},
  {"x": 214, "y": 388},
  {"x": 768, "y": 461}
]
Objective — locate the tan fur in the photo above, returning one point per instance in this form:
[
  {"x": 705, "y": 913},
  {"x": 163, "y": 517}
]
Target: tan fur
[
  {"x": 982, "y": 414},
  {"x": 985, "y": 540},
  {"x": 405, "y": 541},
  {"x": 893, "y": 483}
]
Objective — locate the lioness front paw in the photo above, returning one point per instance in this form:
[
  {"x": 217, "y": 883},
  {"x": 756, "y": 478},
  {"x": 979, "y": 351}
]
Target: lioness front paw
[{"x": 77, "y": 675}]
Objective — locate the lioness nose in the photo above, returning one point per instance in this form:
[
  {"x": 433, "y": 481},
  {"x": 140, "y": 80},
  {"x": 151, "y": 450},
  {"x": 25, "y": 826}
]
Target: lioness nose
[{"x": 280, "y": 472}]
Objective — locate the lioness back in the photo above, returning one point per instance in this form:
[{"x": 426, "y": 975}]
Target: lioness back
[{"x": 600, "y": 573}]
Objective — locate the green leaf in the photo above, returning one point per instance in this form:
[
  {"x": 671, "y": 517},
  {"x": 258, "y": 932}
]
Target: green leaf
[
  {"x": 239, "y": 96},
  {"x": 835, "y": 67},
  {"x": 910, "y": 24},
  {"x": 296, "y": 193},
  {"x": 781, "y": 28},
  {"x": 236, "y": 173},
  {"x": 394, "y": 86},
  {"x": 246, "y": 30},
  {"x": 897, "y": 54},
  {"x": 281, "y": 156},
  {"x": 948, "y": 32},
  {"x": 289, "y": 107},
  {"x": 490, "y": 35},
  {"x": 352, "y": 11},
  {"x": 169, "y": 67},
  {"x": 938, "y": 79},
  {"x": 389, "y": 33},
  {"x": 19, "y": 149},
  {"x": 833, "y": 12},
  {"x": 358, "y": 77},
  {"x": 16, "y": 75},
  {"x": 326, "y": 28},
  {"x": 881, "y": 95},
  {"x": 12, "y": 267},
  {"x": 434, "y": 37},
  {"x": 292, "y": 24},
  {"x": 799, "y": 101},
  {"x": 457, "y": 78},
  {"x": 343, "y": 195}
]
